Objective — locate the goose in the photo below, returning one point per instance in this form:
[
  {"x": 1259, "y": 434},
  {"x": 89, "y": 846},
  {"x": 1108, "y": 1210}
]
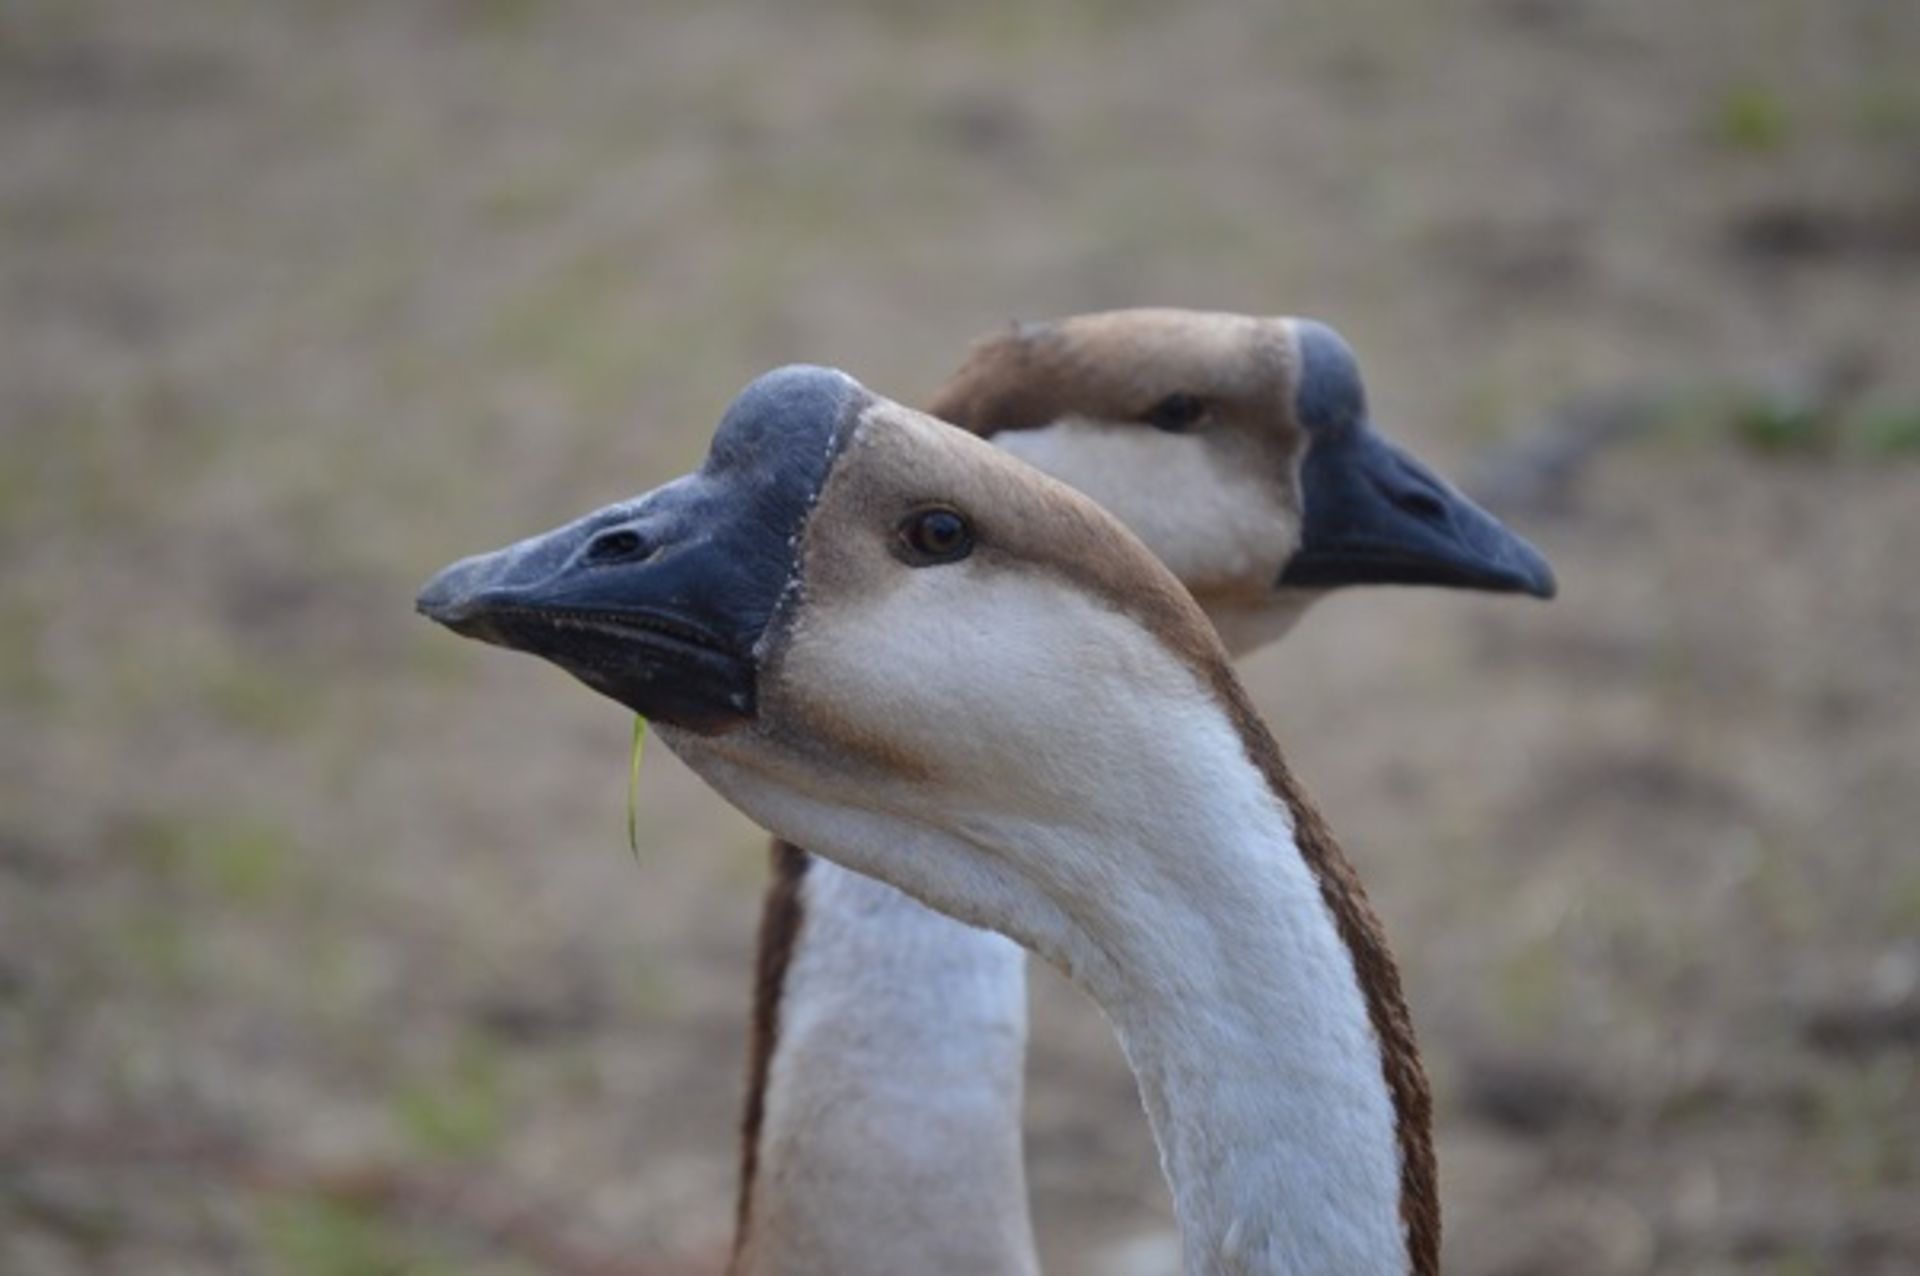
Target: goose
[
  {"x": 888, "y": 1041},
  {"x": 887, "y": 640}
]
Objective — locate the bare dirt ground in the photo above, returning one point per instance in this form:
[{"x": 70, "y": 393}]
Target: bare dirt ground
[{"x": 320, "y": 952}]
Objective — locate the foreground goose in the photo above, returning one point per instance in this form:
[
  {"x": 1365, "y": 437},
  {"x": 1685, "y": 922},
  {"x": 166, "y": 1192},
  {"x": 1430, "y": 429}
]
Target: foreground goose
[
  {"x": 890, "y": 642},
  {"x": 883, "y": 1113}
]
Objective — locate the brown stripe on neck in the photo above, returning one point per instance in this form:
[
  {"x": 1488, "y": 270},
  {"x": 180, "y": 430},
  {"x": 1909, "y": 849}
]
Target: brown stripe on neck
[
  {"x": 781, "y": 917},
  {"x": 1066, "y": 534},
  {"x": 1025, "y": 521},
  {"x": 1379, "y": 978},
  {"x": 1158, "y": 603}
]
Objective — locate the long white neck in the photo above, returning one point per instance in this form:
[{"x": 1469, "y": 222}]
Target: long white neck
[
  {"x": 1261, "y": 1073},
  {"x": 890, "y": 1140},
  {"x": 893, "y": 1089},
  {"x": 1207, "y": 937},
  {"x": 1175, "y": 891}
]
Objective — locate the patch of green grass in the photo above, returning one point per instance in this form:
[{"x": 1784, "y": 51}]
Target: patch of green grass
[
  {"x": 257, "y": 699},
  {"x": 242, "y": 862},
  {"x": 158, "y": 946},
  {"x": 524, "y": 202},
  {"x": 506, "y": 17},
  {"x": 1530, "y": 986},
  {"x": 574, "y": 328},
  {"x": 1788, "y": 427},
  {"x": 1889, "y": 111},
  {"x": 1753, "y": 119},
  {"x": 316, "y": 1236},
  {"x": 1886, "y": 430},
  {"x": 429, "y": 657},
  {"x": 91, "y": 1227},
  {"x": 234, "y": 860},
  {"x": 647, "y": 992},
  {"x": 159, "y": 843},
  {"x": 1780, "y": 891},
  {"x": 121, "y": 461},
  {"x": 1798, "y": 1262},
  {"x": 22, "y": 677},
  {"x": 1901, "y": 903},
  {"x": 15, "y": 494},
  {"x": 457, "y": 1112},
  {"x": 1860, "y": 1121},
  {"x": 1486, "y": 409},
  {"x": 1775, "y": 425}
]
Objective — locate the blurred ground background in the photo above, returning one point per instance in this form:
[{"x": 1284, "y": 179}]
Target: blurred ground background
[{"x": 320, "y": 951}]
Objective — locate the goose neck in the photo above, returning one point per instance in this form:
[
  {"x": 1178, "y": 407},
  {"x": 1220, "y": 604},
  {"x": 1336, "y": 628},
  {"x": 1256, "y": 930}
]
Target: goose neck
[{"x": 1233, "y": 982}]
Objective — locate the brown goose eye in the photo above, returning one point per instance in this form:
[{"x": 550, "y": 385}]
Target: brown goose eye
[
  {"x": 1176, "y": 413},
  {"x": 935, "y": 536}
]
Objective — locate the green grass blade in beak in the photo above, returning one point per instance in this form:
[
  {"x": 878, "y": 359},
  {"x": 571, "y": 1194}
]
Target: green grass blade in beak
[{"x": 633, "y": 784}]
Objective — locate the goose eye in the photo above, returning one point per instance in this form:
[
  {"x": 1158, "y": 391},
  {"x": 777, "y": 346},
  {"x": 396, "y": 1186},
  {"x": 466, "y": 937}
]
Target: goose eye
[
  {"x": 1176, "y": 413},
  {"x": 935, "y": 536}
]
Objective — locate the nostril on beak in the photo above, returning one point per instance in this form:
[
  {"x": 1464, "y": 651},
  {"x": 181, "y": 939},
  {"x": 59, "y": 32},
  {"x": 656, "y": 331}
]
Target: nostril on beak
[
  {"x": 621, "y": 545},
  {"x": 1420, "y": 504}
]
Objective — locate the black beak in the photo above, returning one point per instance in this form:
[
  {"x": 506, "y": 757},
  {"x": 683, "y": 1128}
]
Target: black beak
[
  {"x": 628, "y": 601},
  {"x": 1376, "y": 516},
  {"x": 661, "y": 602}
]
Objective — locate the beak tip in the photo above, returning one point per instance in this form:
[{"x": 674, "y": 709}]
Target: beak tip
[
  {"x": 1536, "y": 575},
  {"x": 436, "y": 603},
  {"x": 437, "y": 612},
  {"x": 1519, "y": 568},
  {"x": 454, "y": 596}
]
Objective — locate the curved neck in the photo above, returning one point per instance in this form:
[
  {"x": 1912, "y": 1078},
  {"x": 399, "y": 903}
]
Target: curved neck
[
  {"x": 884, "y": 1103},
  {"x": 1260, "y": 1072},
  {"x": 1196, "y": 895},
  {"x": 1255, "y": 999},
  {"x": 1166, "y": 862}
]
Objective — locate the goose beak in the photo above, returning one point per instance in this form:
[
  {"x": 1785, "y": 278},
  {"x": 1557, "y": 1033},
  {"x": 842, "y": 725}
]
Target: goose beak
[
  {"x": 1376, "y": 516},
  {"x": 660, "y": 602},
  {"x": 626, "y": 602}
]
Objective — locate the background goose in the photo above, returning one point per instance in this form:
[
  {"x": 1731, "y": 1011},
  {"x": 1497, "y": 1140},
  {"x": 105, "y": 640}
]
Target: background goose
[
  {"x": 883, "y": 1116},
  {"x": 777, "y": 620}
]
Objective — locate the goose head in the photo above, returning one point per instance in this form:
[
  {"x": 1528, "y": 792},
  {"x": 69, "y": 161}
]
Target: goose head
[
  {"x": 848, "y": 608},
  {"x": 1241, "y": 450},
  {"x": 863, "y": 626}
]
